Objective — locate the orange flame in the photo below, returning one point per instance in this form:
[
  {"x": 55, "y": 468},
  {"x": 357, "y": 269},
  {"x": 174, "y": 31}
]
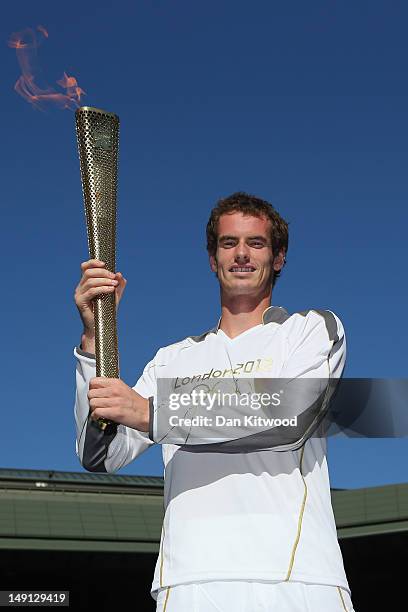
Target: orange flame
[{"x": 26, "y": 44}]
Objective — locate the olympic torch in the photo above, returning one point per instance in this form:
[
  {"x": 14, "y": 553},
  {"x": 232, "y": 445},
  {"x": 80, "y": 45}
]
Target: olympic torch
[{"x": 98, "y": 143}]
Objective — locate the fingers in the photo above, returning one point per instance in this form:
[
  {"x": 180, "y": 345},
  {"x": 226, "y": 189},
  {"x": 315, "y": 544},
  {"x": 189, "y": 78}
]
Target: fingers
[
  {"x": 100, "y": 405},
  {"x": 119, "y": 277},
  {"x": 102, "y": 401},
  {"x": 104, "y": 393},
  {"x": 91, "y": 263},
  {"x": 105, "y": 281},
  {"x": 95, "y": 269},
  {"x": 101, "y": 392},
  {"x": 96, "y": 280},
  {"x": 103, "y": 381}
]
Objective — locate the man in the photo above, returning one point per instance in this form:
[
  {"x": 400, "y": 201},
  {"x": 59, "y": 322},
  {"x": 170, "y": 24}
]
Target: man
[{"x": 248, "y": 518}]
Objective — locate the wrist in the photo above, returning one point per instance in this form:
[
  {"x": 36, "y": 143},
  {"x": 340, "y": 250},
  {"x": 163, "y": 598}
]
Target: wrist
[
  {"x": 141, "y": 409},
  {"x": 88, "y": 342},
  {"x": 88, "y": 333}
]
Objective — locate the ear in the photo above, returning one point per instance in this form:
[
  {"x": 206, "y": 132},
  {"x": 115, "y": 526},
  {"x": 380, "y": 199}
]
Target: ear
[
  {"x": 279, "y": 260},
  {"x": 213, "y": 263}
]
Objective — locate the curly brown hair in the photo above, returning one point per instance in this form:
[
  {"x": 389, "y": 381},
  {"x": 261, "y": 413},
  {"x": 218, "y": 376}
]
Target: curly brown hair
[{"x": 249, "y": 205}]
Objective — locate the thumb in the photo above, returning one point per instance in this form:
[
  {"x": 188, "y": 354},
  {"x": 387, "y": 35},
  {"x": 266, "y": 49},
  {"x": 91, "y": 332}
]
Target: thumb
[{"x": 120, "y": 287}]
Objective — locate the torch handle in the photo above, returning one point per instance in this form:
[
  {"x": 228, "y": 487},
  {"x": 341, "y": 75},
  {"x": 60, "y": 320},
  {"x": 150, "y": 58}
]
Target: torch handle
[
  {"x": 106, "y": 342},
  {"x": 106, "y": 337}
]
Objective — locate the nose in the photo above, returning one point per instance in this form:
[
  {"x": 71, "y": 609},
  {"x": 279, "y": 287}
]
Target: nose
[{"x": 242, "y": 252}]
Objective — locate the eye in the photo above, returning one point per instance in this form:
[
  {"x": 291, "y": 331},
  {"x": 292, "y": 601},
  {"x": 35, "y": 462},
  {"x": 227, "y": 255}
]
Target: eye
[
  {"x": 228, "y": 244},
  {"x": 256, "y": 244}
]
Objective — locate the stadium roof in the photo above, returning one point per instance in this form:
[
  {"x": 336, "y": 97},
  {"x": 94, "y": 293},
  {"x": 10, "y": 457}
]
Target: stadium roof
[{"x": 46, "y": 510}]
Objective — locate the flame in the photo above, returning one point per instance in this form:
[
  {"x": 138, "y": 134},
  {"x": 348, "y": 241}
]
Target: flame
[
  {"x": 42, "y": 30},
  {"x": 26, "y": 44},
  {"x": 74, "y": 92}
]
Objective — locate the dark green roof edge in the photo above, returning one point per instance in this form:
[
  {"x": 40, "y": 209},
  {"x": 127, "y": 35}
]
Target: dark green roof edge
[
  {"x": 50, "y": 476},
  {"x": 122, "y": 479},
  {"x": 137, "y": 526}
]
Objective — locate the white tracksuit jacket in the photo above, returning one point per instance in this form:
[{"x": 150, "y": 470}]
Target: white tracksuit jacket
[{"x": 256, "y": 507}]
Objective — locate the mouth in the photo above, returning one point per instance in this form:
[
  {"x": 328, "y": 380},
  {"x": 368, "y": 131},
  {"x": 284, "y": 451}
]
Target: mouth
[{"x": 242, "y": 269}]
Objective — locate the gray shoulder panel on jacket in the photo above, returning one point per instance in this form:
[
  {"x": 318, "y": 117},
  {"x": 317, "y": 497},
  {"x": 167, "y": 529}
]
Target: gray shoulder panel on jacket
[
  {"x": 275, "y": 314},
  {"x": 329, "y": 319},
  {"x": 203, "y": 336}
]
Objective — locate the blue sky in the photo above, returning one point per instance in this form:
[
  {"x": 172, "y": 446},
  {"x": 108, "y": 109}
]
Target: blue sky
[{"x": 302, "y": 104}]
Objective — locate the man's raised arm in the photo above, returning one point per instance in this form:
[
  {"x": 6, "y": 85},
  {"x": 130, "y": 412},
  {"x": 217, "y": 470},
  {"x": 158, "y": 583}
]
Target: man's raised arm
[{"x": 110, "y": 449}]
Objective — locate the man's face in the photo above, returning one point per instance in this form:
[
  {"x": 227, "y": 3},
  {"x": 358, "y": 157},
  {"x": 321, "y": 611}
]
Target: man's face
[{"x": 244, "y": 262}]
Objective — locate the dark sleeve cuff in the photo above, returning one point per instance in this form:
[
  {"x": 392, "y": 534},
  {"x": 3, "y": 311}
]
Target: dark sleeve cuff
[
  {"x": 151, "y": 417},
  {"x": 84, "y": 353}
]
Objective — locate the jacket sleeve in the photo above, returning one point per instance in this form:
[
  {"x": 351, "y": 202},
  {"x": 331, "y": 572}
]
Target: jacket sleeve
[
  {"x": 313, "y": 362},
  {"x": 110, "y": 449}
]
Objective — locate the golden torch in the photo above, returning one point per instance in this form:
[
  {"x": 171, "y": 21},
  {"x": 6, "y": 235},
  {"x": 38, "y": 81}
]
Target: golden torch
[{"x": 98, "y": 143}]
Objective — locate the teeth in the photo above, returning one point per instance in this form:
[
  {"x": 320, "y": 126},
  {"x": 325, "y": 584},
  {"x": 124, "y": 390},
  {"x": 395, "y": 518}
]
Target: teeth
[{"x": 242, "y": 270}]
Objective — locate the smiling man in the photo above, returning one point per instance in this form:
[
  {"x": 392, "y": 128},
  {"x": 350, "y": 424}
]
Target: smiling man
[
  {"x": 245, "y": 260},
  {"x": 248, "y": 519}
]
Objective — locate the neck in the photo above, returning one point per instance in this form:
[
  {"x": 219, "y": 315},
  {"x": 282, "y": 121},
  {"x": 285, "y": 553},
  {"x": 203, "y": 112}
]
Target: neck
[{"x": 242, "y": 312}]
